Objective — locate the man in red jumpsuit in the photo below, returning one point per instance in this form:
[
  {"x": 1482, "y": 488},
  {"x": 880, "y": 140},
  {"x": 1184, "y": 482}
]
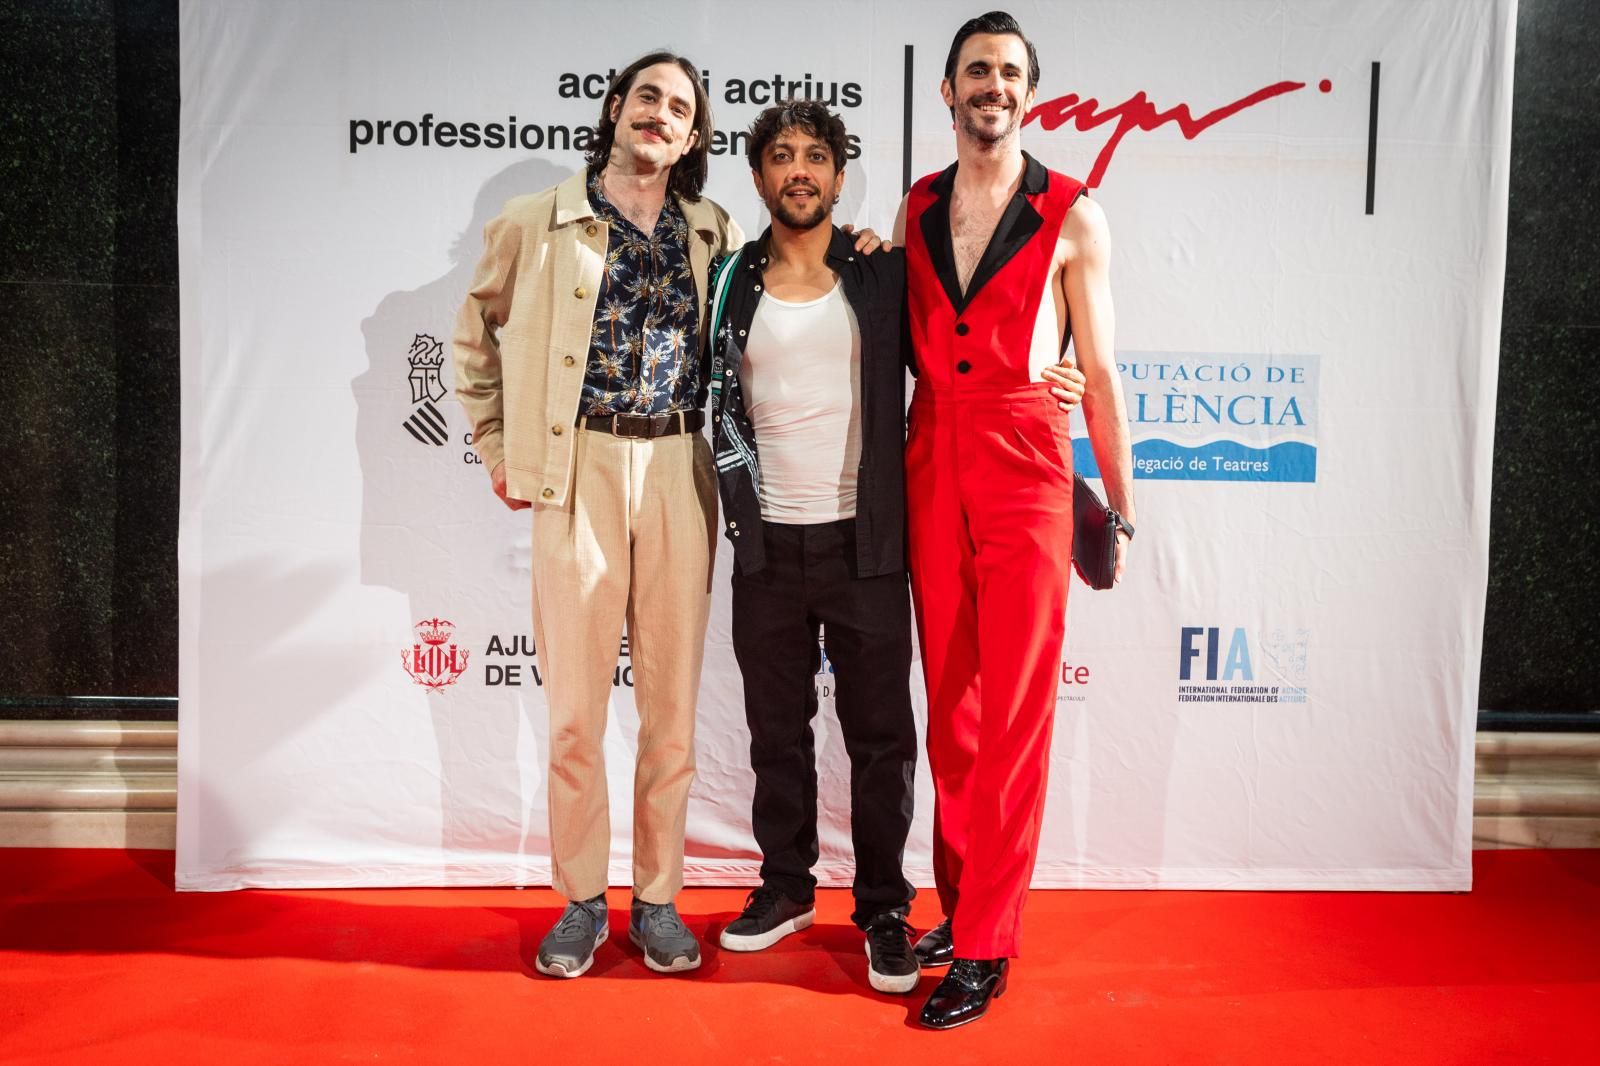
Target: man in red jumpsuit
[{"x": 1006, "y": 262}]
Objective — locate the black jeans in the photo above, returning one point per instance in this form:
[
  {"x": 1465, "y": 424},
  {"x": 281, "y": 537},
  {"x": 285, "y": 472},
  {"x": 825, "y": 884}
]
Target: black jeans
[{"x": 809, "y": 581}]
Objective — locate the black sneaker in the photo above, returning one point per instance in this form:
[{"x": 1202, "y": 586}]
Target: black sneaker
[
  {"x": 891, "y": 963},
  {"x": 768, "y": 917}
]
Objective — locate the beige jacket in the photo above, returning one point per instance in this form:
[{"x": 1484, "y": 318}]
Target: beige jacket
[{"x": 522, "y": 337}]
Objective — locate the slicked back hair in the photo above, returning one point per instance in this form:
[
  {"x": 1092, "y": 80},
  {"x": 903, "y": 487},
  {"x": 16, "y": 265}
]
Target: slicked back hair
[
  {"x": 689, "y": 172},
  {"x": 990, "y": 22},
  {"x": 806, "y": 115}
]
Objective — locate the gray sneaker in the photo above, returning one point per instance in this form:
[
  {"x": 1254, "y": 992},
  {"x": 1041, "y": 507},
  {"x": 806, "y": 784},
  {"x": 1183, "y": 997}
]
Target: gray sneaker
[
  {"x": 568, "y": 949},
  {"x": 667, "y": 944}
]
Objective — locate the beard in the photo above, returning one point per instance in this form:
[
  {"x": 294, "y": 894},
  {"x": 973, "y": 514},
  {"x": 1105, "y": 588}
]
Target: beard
[
  {"x": 972, "y": 123},
  {"x": 800, "y": 218}
]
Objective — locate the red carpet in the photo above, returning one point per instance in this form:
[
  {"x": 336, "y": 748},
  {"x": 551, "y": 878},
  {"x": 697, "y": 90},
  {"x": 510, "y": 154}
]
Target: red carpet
[{"x": 101, "y": 962}]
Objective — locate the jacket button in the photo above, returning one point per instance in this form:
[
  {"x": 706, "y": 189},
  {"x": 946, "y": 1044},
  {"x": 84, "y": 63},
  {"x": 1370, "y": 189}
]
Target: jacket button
[
  {"x": 962, "y": 329},
  {"x": 556, "y": 430},
  {"x": 736, "y": 532},
  {"x": 568, "y": 361},
  {"x": 963, "y": 366},
  {"x": 758, "y": 288},
  {"x": 580, "y": 292},
  {"x": 591, "y": 229},
  {"x": 548, "y": 493},
  {"x": 733, "y": 525}
]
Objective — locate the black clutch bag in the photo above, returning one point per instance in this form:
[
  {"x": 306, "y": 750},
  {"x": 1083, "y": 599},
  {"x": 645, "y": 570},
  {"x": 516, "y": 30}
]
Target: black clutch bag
[{"x": 1094, "y": 535}]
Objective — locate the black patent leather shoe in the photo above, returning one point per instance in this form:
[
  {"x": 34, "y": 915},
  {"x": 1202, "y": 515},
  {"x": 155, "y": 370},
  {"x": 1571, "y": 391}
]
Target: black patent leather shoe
[
  {"x": 937, "y": 947},
  {"x": 964, "y": 994}
]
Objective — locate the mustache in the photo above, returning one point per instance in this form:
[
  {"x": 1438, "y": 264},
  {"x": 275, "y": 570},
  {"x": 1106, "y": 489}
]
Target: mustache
[
  {"x": 801, "y": 183},
  {"x": 655, "y": 127},
  {"x": 987, "y": 98}
]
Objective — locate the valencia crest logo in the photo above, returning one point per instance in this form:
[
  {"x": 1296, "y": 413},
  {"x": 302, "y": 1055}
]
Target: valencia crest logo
[{"x": 434, "y": 661}]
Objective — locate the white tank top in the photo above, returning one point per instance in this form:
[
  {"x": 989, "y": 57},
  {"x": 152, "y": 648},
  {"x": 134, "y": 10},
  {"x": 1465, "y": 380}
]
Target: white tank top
[{"x": 801, "y": 377}]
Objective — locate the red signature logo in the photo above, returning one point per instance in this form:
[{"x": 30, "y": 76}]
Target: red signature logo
[{"x": 1138, "y": 113}]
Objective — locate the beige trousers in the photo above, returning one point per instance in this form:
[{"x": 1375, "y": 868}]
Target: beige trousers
[{"x": 634, "y": 543}]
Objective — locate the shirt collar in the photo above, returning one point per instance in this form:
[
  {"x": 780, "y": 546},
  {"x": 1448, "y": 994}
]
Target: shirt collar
[
  {"x": 841, "y": 247},
  {"x": 1035, "y": 178}
]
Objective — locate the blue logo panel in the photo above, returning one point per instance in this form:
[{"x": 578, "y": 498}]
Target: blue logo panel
[{"x": 1224, "y": 460}]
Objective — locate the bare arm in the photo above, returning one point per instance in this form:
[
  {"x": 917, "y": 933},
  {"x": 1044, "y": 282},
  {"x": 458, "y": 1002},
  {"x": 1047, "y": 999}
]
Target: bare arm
[{"x": 1086, "y": 283}]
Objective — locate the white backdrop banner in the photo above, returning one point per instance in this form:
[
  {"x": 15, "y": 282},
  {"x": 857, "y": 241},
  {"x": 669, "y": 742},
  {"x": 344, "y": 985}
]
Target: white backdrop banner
[{"x": 1308, "y": 201}]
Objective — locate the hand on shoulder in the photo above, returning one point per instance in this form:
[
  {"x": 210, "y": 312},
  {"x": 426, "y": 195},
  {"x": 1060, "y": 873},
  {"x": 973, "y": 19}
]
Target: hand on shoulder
[{"x": 867, "y": 240}]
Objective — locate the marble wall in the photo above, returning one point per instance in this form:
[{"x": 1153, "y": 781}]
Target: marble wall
[
  {"x": 1544, "y": 574},
  {"x": 89, "y": 321}
]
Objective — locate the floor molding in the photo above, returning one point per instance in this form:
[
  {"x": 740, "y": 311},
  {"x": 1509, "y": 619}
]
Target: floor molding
[{"x": 107, "y": 784}]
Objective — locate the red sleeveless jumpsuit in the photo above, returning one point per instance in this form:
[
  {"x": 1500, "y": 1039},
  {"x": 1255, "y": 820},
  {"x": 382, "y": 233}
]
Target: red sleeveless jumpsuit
[{"x": 989, "y": 517}]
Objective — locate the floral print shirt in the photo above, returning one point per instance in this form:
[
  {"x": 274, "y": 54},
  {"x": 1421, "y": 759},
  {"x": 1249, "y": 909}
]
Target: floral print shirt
[{"x": 644, "y": 350}]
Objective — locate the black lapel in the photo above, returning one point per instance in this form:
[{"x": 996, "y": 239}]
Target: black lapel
[
  {"x": 935, "y": 223},
  {"x": 1015, "y": 229}
]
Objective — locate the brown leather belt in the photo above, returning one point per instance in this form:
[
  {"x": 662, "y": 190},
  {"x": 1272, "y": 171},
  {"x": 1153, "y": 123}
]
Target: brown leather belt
[{"x": 647, "y": 427}]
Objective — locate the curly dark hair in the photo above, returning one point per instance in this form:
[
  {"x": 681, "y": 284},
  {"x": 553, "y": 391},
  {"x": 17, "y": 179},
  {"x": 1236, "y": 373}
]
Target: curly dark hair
[
  {"x": 990, "y": 22},
  {"x": 806, "y": 115},
  {"x": 689, "y": 172}
]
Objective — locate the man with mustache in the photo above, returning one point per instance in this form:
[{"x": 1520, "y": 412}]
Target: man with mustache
[
  {"x": 576, "y": 358},
  {"x": 1006, "y": 262},
  {"x": 808, "y": 401}
]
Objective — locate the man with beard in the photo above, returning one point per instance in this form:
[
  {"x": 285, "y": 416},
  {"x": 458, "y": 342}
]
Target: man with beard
[
  {"x": 808, "y": 388},
  {"x": 1006, "y": 263}
]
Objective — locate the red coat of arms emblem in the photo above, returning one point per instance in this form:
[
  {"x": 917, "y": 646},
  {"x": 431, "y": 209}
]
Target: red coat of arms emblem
[{"x": 430, "y": 662}]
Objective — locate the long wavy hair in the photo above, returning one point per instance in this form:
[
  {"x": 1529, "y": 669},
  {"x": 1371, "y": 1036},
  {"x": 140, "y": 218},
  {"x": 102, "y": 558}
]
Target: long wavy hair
[{"x": 689, "y": 172}]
